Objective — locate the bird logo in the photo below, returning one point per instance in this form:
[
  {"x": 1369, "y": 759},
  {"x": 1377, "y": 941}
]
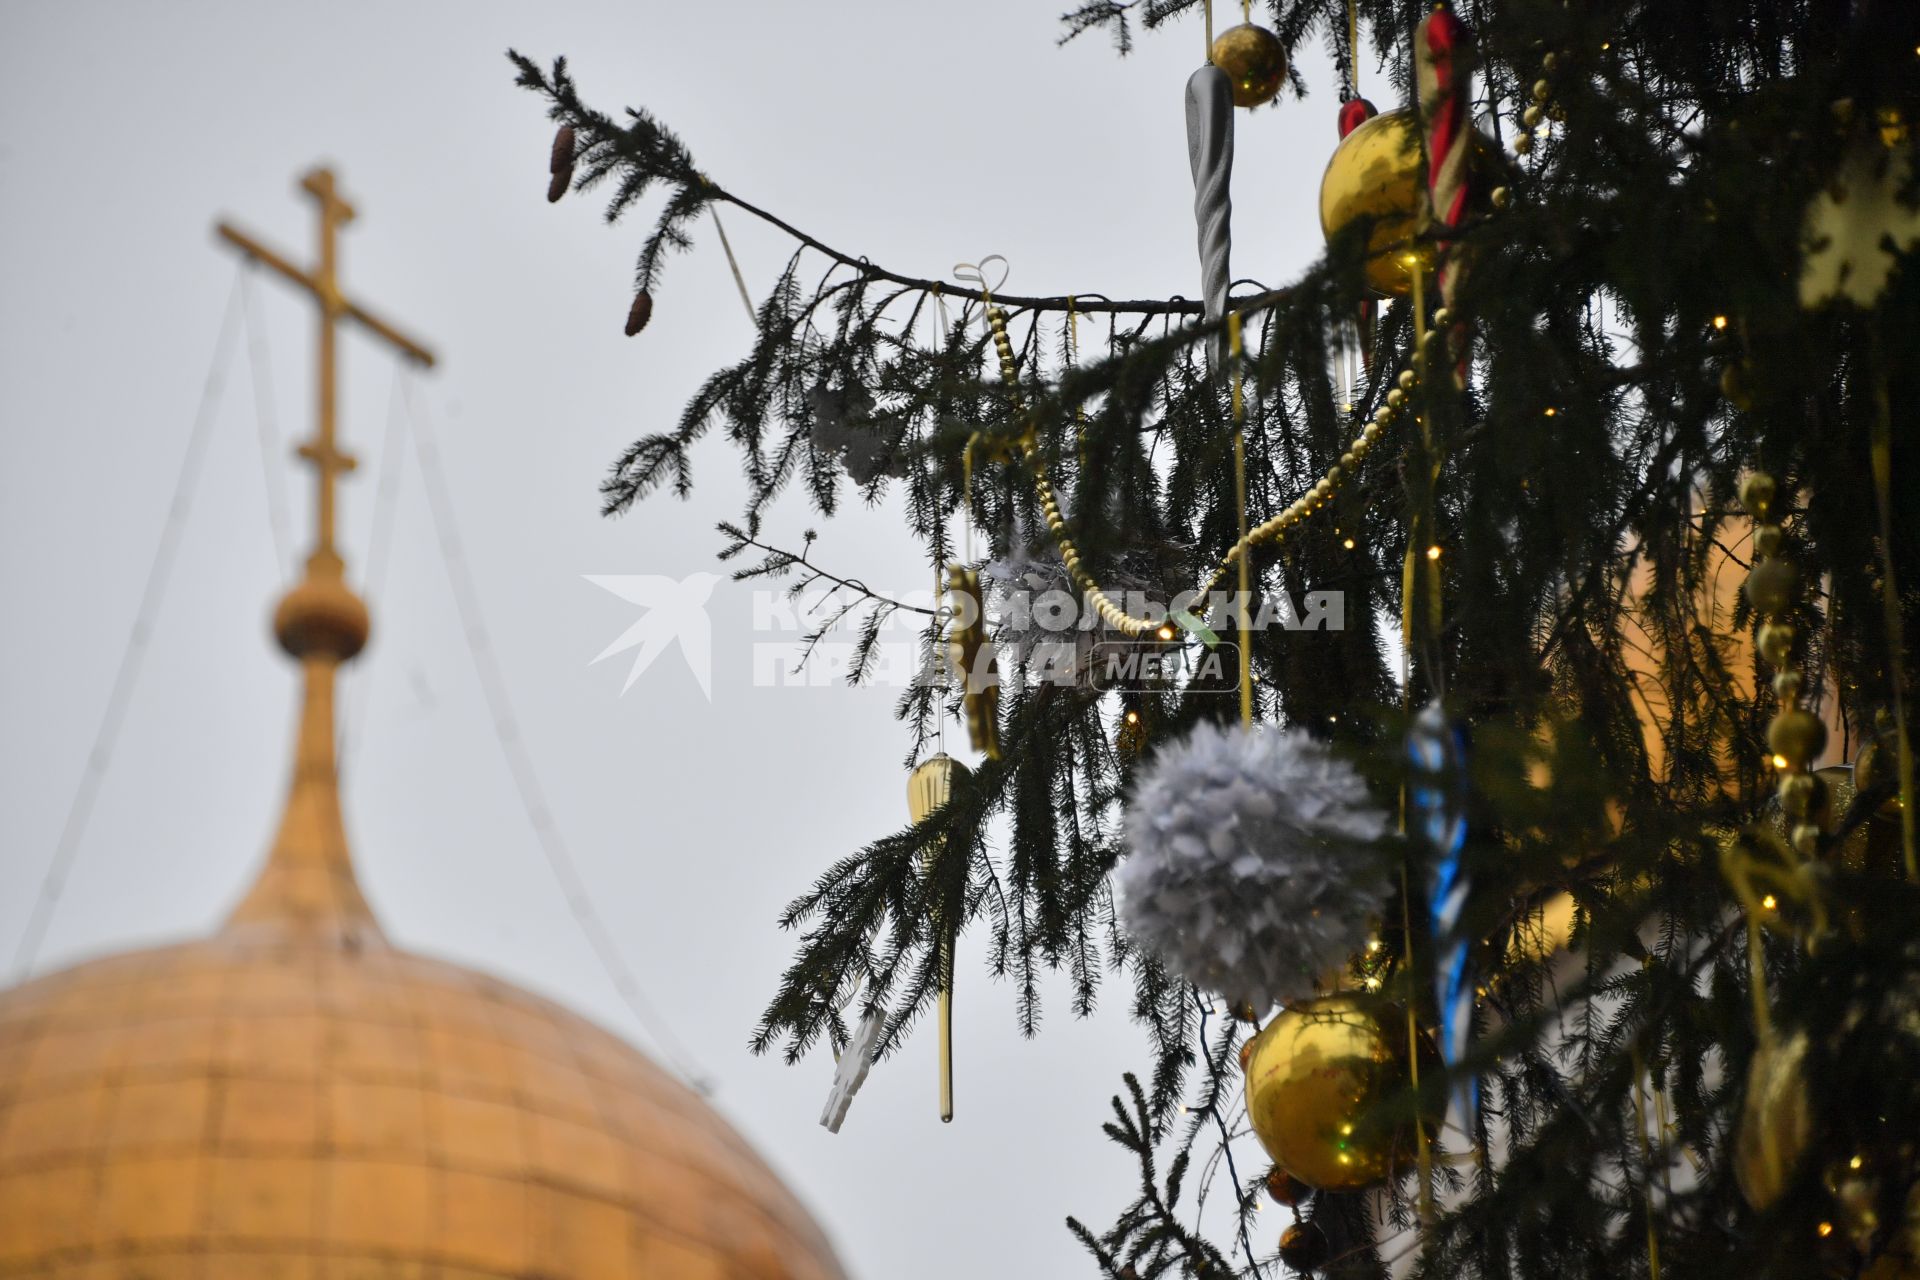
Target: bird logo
[{"x": 676, "y": 610}]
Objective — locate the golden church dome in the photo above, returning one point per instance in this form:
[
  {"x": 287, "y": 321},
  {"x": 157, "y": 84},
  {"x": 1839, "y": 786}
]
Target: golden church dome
[
  {"x": 275, "y": 1102},
  {"x": 295, "y": 1098}
]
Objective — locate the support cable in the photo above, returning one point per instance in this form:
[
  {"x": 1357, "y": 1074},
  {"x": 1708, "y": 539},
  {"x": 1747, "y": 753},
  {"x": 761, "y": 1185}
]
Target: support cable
[
  {"x": 159, "y": 573},
  {"x": 273, "y": 471},
  {"x": 520, "y": 763}
]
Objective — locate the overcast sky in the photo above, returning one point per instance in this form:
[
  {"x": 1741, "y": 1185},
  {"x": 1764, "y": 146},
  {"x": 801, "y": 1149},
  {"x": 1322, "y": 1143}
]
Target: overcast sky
[{"x": 918, "y": 135}]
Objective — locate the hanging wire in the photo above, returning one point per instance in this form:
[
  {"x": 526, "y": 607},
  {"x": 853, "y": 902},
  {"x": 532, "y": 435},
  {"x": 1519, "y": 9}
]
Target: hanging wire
[
  {"x": 159, "y": 573},
  {"x": 386, "y": 496},
  {"x": 520, "y": 763},
  {"x": 273, "y": 471},
  {"x": 739, "y": 280},
  {"x": 1226, "y": 1139}
]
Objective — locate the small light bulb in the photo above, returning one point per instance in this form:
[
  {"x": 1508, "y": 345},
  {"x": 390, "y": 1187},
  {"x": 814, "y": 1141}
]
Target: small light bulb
[
  {"x": 1719, "y": 322},
  {"x": 1770, "y": 902},
  {"x": 1374, "y": 945},
  {"x": 1779, "y": 762},
  {"x": 1854, "y": 1163},
  {"x": 1348, "y": 544},
  {"x": 1433, "y": 552},
  {"x": 1551, "y": 411},
  {"x": 1825, "y": 1229},
  {"x": 1165, "y": 632},
  {"x": 1133, "y": 717}
]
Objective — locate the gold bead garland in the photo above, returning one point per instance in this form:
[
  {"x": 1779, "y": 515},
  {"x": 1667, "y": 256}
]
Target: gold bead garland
[
  {"x": 1273, "y": 530},
  {"x": 1539, "y": 109},
  {"x": 1795, "y": 735}
]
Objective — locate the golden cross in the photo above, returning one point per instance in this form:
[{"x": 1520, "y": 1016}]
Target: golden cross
[{"x": 323, "y": 282}]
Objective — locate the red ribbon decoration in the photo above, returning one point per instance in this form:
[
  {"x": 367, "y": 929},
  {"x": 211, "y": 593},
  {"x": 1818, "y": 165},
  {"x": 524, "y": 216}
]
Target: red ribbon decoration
[
  {"x": 1440, "y": 57},
  {"x": 1355, "y": 112}
]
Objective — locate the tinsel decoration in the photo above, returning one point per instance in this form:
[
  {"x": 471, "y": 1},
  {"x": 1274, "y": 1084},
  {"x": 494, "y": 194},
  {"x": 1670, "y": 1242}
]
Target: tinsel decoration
[
  {"x": 1437, "y": 820},
  {"x": 640, "y": 312},
  {"x": 1210, "y": 154},
  {"x": 972, "y": 660},
  {"x": 1253, "y": 864},
  {"x": 560, "y": 164}
]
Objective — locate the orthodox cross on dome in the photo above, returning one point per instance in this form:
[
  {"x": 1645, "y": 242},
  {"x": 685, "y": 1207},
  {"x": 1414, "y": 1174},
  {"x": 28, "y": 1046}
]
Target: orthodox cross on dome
[
  {"x": 308, "y": 881},
  {"x": 323, "y": 282}
]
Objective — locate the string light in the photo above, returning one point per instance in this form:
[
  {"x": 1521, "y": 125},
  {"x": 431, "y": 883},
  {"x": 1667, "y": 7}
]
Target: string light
[
  {"x": 1770, "y": 902},
  {"x": 1433, "y": 552},
  {"x": 1719, "y": 322}
]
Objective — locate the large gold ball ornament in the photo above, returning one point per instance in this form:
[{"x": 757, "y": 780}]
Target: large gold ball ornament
[
  {"x": 1775, "y": 1124},
  {"x": 1255, "y": 62},
  {"x": 1374, "y": 177},
  {"x": 1316, "y": 1078}
]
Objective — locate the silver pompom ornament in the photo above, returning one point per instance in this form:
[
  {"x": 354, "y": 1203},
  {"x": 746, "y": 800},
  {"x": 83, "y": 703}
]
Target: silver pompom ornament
[{"x": 1255, "y": 861}]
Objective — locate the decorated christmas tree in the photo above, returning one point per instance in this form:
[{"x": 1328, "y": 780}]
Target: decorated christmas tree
[{"x": 1461, "y": 696}]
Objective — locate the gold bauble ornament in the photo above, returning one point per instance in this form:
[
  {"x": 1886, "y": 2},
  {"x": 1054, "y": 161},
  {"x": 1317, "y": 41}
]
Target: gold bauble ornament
[
  {"x": 1316, "y": 1077},
  {"x": 1304, "y": 1248},
  {"x": 930, "y": 785},
  {"x": 1255, "y": 62},
  {"x": 1285, "y": 1188},
  {"x": 1772, "y": 585},
  {"x": 1374, "y": 176},
  {"x": 1757, "y": 492},
  {"x": 1796, "y": 735},
  {"x": 1775, "y": 1124}
]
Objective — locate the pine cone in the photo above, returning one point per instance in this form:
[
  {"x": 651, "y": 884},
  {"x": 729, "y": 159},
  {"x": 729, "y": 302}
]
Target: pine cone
[
  {"x": 640, "y": 312},
  {"x": 560, "y": 164}
]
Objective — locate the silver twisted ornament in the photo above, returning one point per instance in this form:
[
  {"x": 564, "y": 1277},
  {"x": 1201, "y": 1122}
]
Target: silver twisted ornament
[{"x": 1210, "y": 152}]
